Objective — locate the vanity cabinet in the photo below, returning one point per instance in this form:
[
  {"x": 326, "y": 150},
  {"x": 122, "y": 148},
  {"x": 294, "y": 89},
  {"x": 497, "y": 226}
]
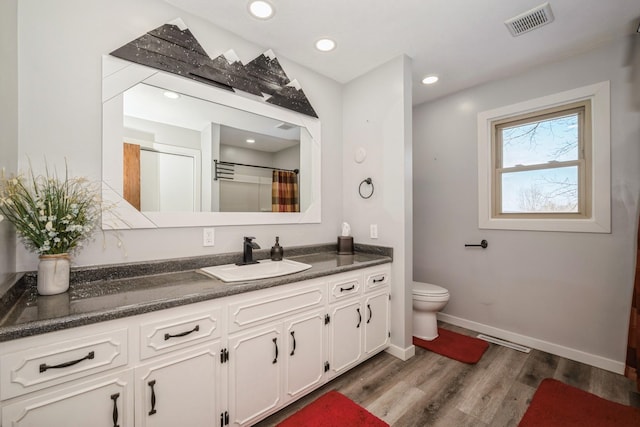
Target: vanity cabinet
[
  {"x": 177, "y": 380},
  {"x": 179, "y": 390},
  {"x": 166, "y": 366},
  {"x": 102, "y": 402},
  {"x": 255, "y": 382},
  {"x": 305, "y": 357},
  {"x": 376, "y": 325},
  {"x": 359, "y": 320},
  {"x": 277, "y": 352},
  {"x": 268, "y": 367},
  {"x": 68, "y": 378},
  {"x": 228, "y": 361},
  {"x": 345, "y": 336}
]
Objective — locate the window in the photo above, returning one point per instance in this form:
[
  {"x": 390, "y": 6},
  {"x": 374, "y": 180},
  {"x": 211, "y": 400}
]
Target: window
[
  {"x": 544, "y": 164},
  {"x": 541, "y": 162}
]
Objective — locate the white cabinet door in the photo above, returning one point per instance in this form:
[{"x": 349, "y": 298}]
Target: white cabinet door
[
  {"x": 305, "y": 356},
  {"x": 346, "y": 326},
  {"x": 180, "y": 390},
  {"x": 255, "y": 373},
  {"x": 102, "y": 402},
  {"x": 376, "y": 325}
]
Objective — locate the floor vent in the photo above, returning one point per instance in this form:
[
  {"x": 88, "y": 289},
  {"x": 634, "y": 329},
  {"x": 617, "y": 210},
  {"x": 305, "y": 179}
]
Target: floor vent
[
  {"x": 525, "y": 22},
  {"x": 504, "y": 343}
]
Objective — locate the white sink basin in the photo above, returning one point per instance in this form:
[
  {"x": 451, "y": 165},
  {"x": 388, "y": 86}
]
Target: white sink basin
[{"x": 263, "y": 270}]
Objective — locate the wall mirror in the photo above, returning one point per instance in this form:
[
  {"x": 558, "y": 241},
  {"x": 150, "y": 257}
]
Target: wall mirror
[{"x": 178, "y": 153}]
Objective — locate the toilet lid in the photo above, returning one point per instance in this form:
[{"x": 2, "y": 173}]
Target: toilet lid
[{"x": 428, "y": 289}]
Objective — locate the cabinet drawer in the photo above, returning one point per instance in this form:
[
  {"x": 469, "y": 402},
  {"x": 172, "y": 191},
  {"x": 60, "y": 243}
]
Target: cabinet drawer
[
  {"x": 273, "y": 306},
  {"x": 161, "y": 336},
  {"x": 344, "y": 286},
  {"x": 377, "y": 278},
  {"x": 44, "y": 366}
]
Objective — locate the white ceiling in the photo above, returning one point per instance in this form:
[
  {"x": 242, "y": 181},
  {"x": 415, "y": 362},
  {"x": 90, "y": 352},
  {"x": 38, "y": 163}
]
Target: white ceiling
[{"x": 465, "y": 42}]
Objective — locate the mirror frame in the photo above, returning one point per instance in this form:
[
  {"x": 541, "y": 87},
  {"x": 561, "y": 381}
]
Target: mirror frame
[{"x": 119, "y": 75}]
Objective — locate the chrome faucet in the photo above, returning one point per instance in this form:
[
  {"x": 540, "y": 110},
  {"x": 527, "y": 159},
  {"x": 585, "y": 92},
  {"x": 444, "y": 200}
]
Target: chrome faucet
[{"x": 247, "y": 251}]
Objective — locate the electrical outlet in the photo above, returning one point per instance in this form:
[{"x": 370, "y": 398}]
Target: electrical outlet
[
  {"x": 373, "y": 231},
  {"x": 208, "y": 237}
]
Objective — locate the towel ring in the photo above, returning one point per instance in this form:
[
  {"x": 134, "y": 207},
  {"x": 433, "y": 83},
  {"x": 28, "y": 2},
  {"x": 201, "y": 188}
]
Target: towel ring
[{"x": 366, "y": 181}]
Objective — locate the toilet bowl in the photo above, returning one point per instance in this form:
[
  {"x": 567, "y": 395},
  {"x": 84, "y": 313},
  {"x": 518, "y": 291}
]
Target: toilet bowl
[{"x": 428, "y": 299}]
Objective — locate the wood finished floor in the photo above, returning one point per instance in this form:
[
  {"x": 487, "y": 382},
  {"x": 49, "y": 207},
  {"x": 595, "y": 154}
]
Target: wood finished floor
[{"x": 432, "y": 390}]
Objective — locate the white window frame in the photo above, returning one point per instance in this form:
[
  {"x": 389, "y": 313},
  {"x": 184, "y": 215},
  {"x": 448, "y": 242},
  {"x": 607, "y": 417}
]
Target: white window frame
[{"x": 600, "y": 219}]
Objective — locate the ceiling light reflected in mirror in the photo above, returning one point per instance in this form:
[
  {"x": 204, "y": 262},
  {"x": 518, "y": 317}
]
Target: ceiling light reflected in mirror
[
  {"x": 325, "y": 45},
  {"x": 171, "y": 95},
  {"x": 261, "y": 9},
  {"x": 429, "y": 80}
]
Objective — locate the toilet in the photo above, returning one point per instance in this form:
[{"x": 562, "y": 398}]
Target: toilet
[{"x": 428, "y": 299}]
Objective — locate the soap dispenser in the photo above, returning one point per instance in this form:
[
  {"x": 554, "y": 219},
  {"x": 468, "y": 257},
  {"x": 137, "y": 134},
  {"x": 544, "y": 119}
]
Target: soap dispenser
[{"x": 277, "y": 251}]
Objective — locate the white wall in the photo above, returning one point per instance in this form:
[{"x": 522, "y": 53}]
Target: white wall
[
  {"x": 288, "y": 158},
  {"x": 377, "y": 117},
  {"x": 231, "y": 153},
  {"x": 161, "y": 132},
  {"x": 60, "y": 50},
  {"x": 8, "y": 122},
  {"x": 568, "y": 293}
]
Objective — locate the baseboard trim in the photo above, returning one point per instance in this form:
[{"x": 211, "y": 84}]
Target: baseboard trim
[
  {"x": 403, "y": 354},
  {"x": 549, "y": 347}
]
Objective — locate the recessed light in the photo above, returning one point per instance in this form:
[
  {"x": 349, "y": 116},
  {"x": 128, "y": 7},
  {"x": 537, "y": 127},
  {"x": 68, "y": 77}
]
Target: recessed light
[
  {"x": 251, "y": 141},
  {"x": 171, "y": 95},
  {"x": 325, "y": 45},
  {"x": 429, "y": 80},
  {"x": 261, "y": 9}
]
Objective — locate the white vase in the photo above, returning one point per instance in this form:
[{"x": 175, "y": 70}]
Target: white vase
[{"x": 53, "y": 274}]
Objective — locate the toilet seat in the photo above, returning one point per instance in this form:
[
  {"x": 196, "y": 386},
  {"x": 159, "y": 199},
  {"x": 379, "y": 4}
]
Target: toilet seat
[{"x": 429, "y": 290}]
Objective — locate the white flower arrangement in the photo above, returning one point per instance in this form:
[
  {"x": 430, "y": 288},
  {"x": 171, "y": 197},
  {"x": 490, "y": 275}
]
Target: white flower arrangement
[{"x": 51, "y": 216}]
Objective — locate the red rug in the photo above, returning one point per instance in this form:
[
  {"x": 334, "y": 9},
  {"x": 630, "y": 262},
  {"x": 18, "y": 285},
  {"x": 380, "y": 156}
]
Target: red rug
[
  {"x": 333, "y": 410},
  {"x": 455, "y": 346},
  {"x": 556, "y": 404}
]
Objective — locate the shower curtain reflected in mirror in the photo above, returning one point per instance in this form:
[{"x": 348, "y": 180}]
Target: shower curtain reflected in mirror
[{"x": 284, "y": 192}]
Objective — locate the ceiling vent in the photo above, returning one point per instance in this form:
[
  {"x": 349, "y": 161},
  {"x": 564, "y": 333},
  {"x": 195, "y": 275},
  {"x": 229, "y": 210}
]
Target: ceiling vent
[
  {"x": 530, "y": 20},
  {"x": 284, "y": 126}
]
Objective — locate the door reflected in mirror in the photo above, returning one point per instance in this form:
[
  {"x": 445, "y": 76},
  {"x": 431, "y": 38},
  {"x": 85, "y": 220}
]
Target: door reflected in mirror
[{"x": 185, "y": 154}]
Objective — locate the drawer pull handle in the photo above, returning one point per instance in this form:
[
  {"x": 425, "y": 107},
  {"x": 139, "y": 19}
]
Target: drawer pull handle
[
  {"x": 44, "y": 366},
  {"x": 359, "y": 317},
  {"x": 370, "y": 313},
  {"x": 153, "y": 397},
  {"x": 182, "y": 334},
  {"x": 294, "y": 343},
  {"x": 114, "y": 397},
  {"x": 347, "y": 289},
  {"x": 275, "y": 342},
  {"x": 378, "y": 280},
  {"x": 224, "y": 418}
]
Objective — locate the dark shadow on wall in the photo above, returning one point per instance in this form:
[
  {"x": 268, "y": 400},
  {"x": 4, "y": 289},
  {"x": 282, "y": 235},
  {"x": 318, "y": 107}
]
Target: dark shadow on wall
[{"x": 632, "y": 61}]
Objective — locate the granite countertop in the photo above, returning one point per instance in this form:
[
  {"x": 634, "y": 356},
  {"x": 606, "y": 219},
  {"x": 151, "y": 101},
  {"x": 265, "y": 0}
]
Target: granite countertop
[{"x": 98, "y": 294}]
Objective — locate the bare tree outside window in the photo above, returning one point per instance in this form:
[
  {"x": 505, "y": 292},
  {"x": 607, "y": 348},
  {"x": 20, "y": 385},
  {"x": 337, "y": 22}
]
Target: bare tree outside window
[{"x": 538, "y": 163}]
